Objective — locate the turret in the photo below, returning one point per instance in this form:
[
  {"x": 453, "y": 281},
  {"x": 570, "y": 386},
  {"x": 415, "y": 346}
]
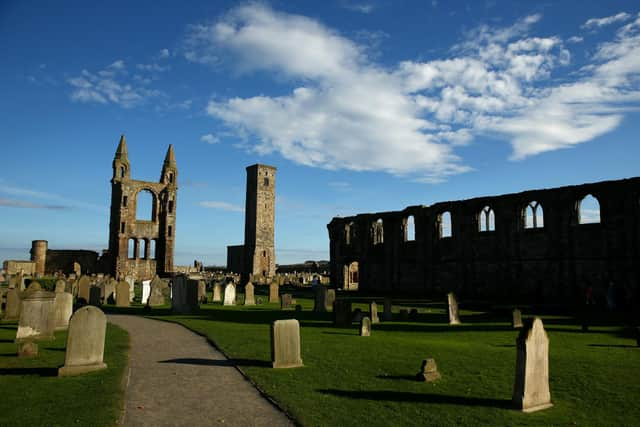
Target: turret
[
  {"x": 169, "y": 168},
  {"x": 121, "y": 168}
]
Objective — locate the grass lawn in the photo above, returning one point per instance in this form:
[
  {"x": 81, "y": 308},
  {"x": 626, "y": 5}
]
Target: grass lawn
[
  {"x": 353, "y": 380},
  {"x": 33, "y": 395}
]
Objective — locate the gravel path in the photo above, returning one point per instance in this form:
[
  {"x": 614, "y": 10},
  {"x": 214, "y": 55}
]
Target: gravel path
[{"x": 176, "y": 378}]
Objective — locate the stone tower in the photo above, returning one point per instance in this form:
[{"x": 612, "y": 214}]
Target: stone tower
[
  {"x": 259, "y": 253},
  {"x": 140, "y": 247},
  {"x": 39, "y": 254}
]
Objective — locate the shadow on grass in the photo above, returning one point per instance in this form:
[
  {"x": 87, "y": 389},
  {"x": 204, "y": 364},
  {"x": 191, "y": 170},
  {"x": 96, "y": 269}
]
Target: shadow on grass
[
  {"x": 6, "y": 341},
  {"x": 43, "y": 372},
  {"x": 614, "y": 345},
  {"x": 55, "y": 349},
  {"x": 9, "y": 327},
  {"x": 405, "y": 396},
  {"x": 411, "y": 378},
  {"x": 219, "y": 362},
  {"x": 355, "y": 333}
]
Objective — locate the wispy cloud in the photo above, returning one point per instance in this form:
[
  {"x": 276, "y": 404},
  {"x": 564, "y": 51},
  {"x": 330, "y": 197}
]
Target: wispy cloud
[
  {"x": 601, "y": 22},
  {"x": 221, "y": 206},
  {"x": 340, "y": 185},
  {"x": 164, "y": 53},
  {"x": 361, "y": 7},
  {"x": 26, "y": 193},
  {"x": 210, "y": 138},
  {"x": 29, "y": 205}
]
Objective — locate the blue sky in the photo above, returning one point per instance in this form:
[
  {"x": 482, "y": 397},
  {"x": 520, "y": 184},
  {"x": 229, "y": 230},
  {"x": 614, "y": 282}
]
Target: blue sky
[{"x": 363, "y": 106}]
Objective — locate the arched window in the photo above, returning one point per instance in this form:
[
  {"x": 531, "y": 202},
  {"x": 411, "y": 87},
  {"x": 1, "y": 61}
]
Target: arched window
[
  {"x": 347, "y": 233},
  {"x": 144, "y": 206},
  {"x": 170, "y": 206},
  {"x": 486, "y": 220},
  {"x": 152, "y": 249},
  {"x": 132, "y": 249},
  {"x": 378, "y": 232},
  {"x": 589, "y": 210},
  {"x": 410, "y": 229},
  {"x": 170, "y": 177},
  {"x": 266, "y": 182},
  {"x": 144, "y": 248},
  {"x": 122, "y": 171},
  {"x": 444, "y": 225},
  {"x": 533, "y": 215}
]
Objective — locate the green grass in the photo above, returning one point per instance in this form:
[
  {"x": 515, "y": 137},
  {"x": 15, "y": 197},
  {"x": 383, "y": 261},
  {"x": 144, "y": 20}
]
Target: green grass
[
  {"x": 352, "y": 380},
  {"x": 32, "y": 394}
]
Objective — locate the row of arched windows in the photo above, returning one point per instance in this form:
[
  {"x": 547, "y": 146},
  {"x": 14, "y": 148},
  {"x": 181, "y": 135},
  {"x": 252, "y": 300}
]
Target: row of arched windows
[
  {"x": 142, "y": 249},
  {"x": 532, "y": 218}
]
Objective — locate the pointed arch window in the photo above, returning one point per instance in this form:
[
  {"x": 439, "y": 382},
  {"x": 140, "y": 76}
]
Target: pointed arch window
[
  {"x": 444, "y": 225},
  {"x": 410, "y": 229},
  {"x": 589, "y": 210},
  {"x": 533, "y": 215},
  {"x": 378, "y": 232},
  {"x": 486, "y": 220}
]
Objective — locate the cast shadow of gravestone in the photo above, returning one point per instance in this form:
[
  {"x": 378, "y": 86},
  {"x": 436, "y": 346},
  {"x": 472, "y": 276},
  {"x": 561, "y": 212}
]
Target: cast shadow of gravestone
[{"x": 219, "y": 362}]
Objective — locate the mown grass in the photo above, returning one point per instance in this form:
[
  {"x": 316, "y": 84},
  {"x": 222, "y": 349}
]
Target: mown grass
[
  {"x": 353, "y": 380},
  {"x": 33, "y": 395}
]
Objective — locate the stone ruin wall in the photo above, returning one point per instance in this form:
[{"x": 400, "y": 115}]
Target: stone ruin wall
[{"x": 552, "y": 264}]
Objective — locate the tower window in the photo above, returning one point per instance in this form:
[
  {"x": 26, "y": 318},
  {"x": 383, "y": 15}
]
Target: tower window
[
  {"x": 169, "y": 231},
  {"x": 264, "y": 253},
  {"x": 122, "y": 170},
  {"x": 170, "y": 206},
  {"x": 266, "y": 182},
  {"x": 124, "y": 201},
  {"x": 171, "y": 178},
  {"x": 122, "y": 227}
]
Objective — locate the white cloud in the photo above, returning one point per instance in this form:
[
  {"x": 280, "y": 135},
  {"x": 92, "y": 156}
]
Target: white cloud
[
  {"x": 363, "y": 7},
  {"x": 210, "y": 138},
  {"x": 164, "y": 53},
  {"x": 118, "y": 65},
  {"x": 575, "y": 39},
  {"x": 601, "y": 22},
  {"x": 222, "y": 206},
  {"x": 157, "y": 68},
  {"x": 26, "y": 193}
]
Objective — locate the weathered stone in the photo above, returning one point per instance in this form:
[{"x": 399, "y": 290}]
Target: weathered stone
[
  {"x": 331, "y": 297},
  {"x": 12, "y": 307},
  {"x": 157, "y": 293},
  {"x": 27, "y": 348},
  {"x": 248, "y": 295},
  {"x": 404, "y": 314},
  {"x": 517, "y": 318},
  {"x": 184, "y": 299},
  {"x": 285, "y": 301},
  {"x": 285, "y": 344},
  {"x": 94, "y": 295},
  {"x": 341, "y": 313},
  {"x": 365, "y": 327},
  {"x": 387, "y": 315},
  {"x": 60, "y": 285},
  {"x": 110, "y": 291},
  {"x": 428, "y": 371},
  {"x": 230, "y": 294},
  {"x": 373, "y": 312},
  {"x": 274, "y": 292},
  {"x": 454, "y": 316},
  {"x": 217, "y": 292},
  {"x": 132, "y": 287},
  {"x": 320, "y": 299},
  {"x": 202, "y": 291},
  {"x": 63, "y": 308},
  {"x": 77, "y": 269},
  {"x": 531, "y": 386},
  {"x": 85, "y": 342},
  {"x": 146, "y": 291},
  {"x": 37, "y": 315},
  {"x": 122, "y": 294},
  {"x": 84, "y": 283}
]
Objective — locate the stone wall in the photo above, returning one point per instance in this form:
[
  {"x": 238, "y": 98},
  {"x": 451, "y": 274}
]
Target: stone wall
[
  {"x": 235, "y": 258},
  {"x": 504, "y": 259},
  {"x": 16, "y": 266}
]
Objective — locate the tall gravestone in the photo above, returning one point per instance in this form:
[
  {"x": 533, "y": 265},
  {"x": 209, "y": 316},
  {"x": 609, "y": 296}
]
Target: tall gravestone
[
  {"x": 516, "y": 321},
  {"x": 63, "y": 308},
  {"x": 122, "y": 294},
  {"x": 217, "y": 293},
  {"x": 373, "y": 312},
  {"x": 146, "y": 291},
  {"x": 387, "y": 315},
  {"x": 184, "y": 298},
  {"x": 132, "y": 286},
  {"x": 202, "y": 291},
  {"x": 230, "y": 294},
  {"x": 531, "y": 387},
  {"x": 454, "y": 316},
  {"x": 95, "y": 295},
  {"x": 342, "y": 313},
  {"x": 274, "y": 292},
  {"x": 365, "y": 327},
  {"x": 12, "y": 308},
  {"x": 249, "y": 298},
  {"x": 110, "y": 291},
  {"x": 320, "y": 300},
  {"x": 331, "y": 297},
  {"x": 85, "y": 342},
  {"x": 285, "y": 344},
  {"x": 84, "y": 284},
  {"x": 37, "y": 315},
  {"x": 157, "y": 293}
]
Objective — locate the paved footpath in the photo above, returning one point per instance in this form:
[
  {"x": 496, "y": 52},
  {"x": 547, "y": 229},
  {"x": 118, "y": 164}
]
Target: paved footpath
[{"x": 176, "y": 378}]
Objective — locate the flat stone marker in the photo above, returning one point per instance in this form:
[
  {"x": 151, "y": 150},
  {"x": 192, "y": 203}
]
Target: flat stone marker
[
  {"x": 122, "y": 294},
  {"x": 274, "y": 292},
  {"x": 95, "y": 296},
  {"x": 230, "y": 294},
  {"x": 331, "y": 297},
  {"x": 285, "y": 344},
  {"x": 217, "y": 293},
  {"x": 531, "y": 387},
  {"x": 341, "y": 313},
  {"x": 373, "y": 312},
  {"x": 517, "y": 318},
  {"x": 37, "y": 315},
  {"x": 320, "y": 299},
  {"x": 60, "y": 285},
  {"x": 285, "y": 301},
  {"x": 428, "y": 371},
  {"x": 387, "y": 315},
  {"x": 454, "y": 317},
  {"x": 63, "y": 308},
  {"x": 249, "y": 298},
  {"x": 365, "y": 327},
  {"x": 85, "y": 342},
  {"x": 184, "y": 297},
  {"x": 146, "y": 291},
  {"x": 12, "y": 308},
  {"x": 84, "y": 283}
]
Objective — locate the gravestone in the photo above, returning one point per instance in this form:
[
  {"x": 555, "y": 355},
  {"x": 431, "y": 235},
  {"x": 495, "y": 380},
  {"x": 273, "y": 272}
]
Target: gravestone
[
  {"x": 285, "y": 344},
  {"x": 365, "y": 327},
  {"x": 63, "y": 308},
  {"x": 274, "y": 292},
  {"x": 132, "y": 286},
  {"x": 27, "y": 348},
  {"x": 331, "y": 297},
  {"x": 230, "y": 294},
  {"x": 60, "y": 286},
  {"x": 157, "y": 292},
  {"x": 517, "y": 318},
  {"x": 1, "y": 302},
  {"x": 320, "y": 300},
  {"x": 357, "y": 315},
  {"x": 428, "y": 371},
  {"x": 122, "y": 294},
  {"x": 249, "y": 298},
  {"x": 109, "y": 291},
  {"x": 217, "y": 292},
  {"x": 85, "y": 342},
  {"x": 531, "y": 386},
  {"x": 298, "y": 308},
  {"x": 341, "y": 313},
  {"x": 184, "y": 298},
  {"x": 404, "y": 314},
  {"x": 202, "y": 292},
  {"x": 454, "y": 317},
  {"x": 373, "y": 312},
  {"x": 12, "y": 307},
  {"x": 77, "y": 269},
  {"x": 94, "y": 295},
  {"x": 387, "y": 315},
  {"x": 285, "y": 301},
  {"x": 37, "y": 315},
  {"x": 146, "y": 291},
  {"x": 84, "y": 283}
]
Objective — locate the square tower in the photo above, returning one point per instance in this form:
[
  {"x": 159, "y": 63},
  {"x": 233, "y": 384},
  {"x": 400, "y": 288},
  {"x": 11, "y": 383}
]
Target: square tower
[{"x": 259, "y": 221}]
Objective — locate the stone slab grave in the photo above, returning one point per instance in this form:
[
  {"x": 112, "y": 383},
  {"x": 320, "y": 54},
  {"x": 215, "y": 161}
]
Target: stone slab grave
[
  {"x": 230, "y": 294},
  {"x": 122, "y": 294},
  {"x": 342, "y": 313},
  {"x": 217, "y": 293},
  {"x": 94, "y": 295},
  {"x": 202, "y": 292},
  {"x": 320, "y": 299},
  {"x": 184, "y": 298},
  {"x": 63, "y": 308},
  {"x": 428, "y": 371},
  {"x": 132, "y": 289},
  {"x": 516, "y": 321},
  {"x": 249, "y": 298},
  {"x": 285, "y": 344},
  {"x": 373, "y": 312},
  {"x": 531, "y": 386},
  {"x": 85, "y": 342},
  {"x": 365, "y": 327},
  {"x": 285, "y": 301},
  {"x": 157, "y": 292},
  {"x": 37, "y": 319},
  {"x": 331, "y": 297},
  {"x": 146, "y": 291},
  {"x": 387, "y": 315},
  {"x": 12, "y": 307},
  {"x": 274, "y": 293},
  {"x": 84, "y": 284},
  {"x": 61, "y": 286},
  {"x": 454, "y": 315}
]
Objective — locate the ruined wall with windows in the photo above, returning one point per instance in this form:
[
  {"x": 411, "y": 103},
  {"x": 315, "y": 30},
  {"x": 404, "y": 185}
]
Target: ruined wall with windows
[{"x": 535, "y": 246}]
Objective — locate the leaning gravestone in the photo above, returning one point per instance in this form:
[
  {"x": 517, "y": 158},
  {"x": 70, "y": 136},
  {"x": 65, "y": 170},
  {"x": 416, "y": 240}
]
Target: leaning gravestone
[
  {"x": 122, "y": 294},
  {"x": 428, "y": 371},
  {"x": 217, "y": 293},
  {"x": 320, "y": 300},
  {"x": 341, "y": 313},
  {"x": 60, "y": 285},
  {"x": 285, "y": 301},
  {"x": 249, "y": 298},
  {"x": 517, "y": 318},
  {"x": 331, "y": 297},
  {"x": 85, "y": 342},
  {"x": 184, "y": 297},
  {"x": 63, "y": 308},
  {"x": 531, "y": 386},
  {"x": 37, "y": 319},
  {"x": 454, "y": 316},
  {"x": 84, "y": 283},
  {"x": 285, "y": 344},
  {"x": 12, "y": 308},
  {"x": 387, "y": 315},
  {"x": 373, "y": 312},
  {"x": 274, "y": 292},
  {"x": 365, "y": 327},
  {"x": 230, "y": 294},
  {"x": 156, "y": 295}
]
